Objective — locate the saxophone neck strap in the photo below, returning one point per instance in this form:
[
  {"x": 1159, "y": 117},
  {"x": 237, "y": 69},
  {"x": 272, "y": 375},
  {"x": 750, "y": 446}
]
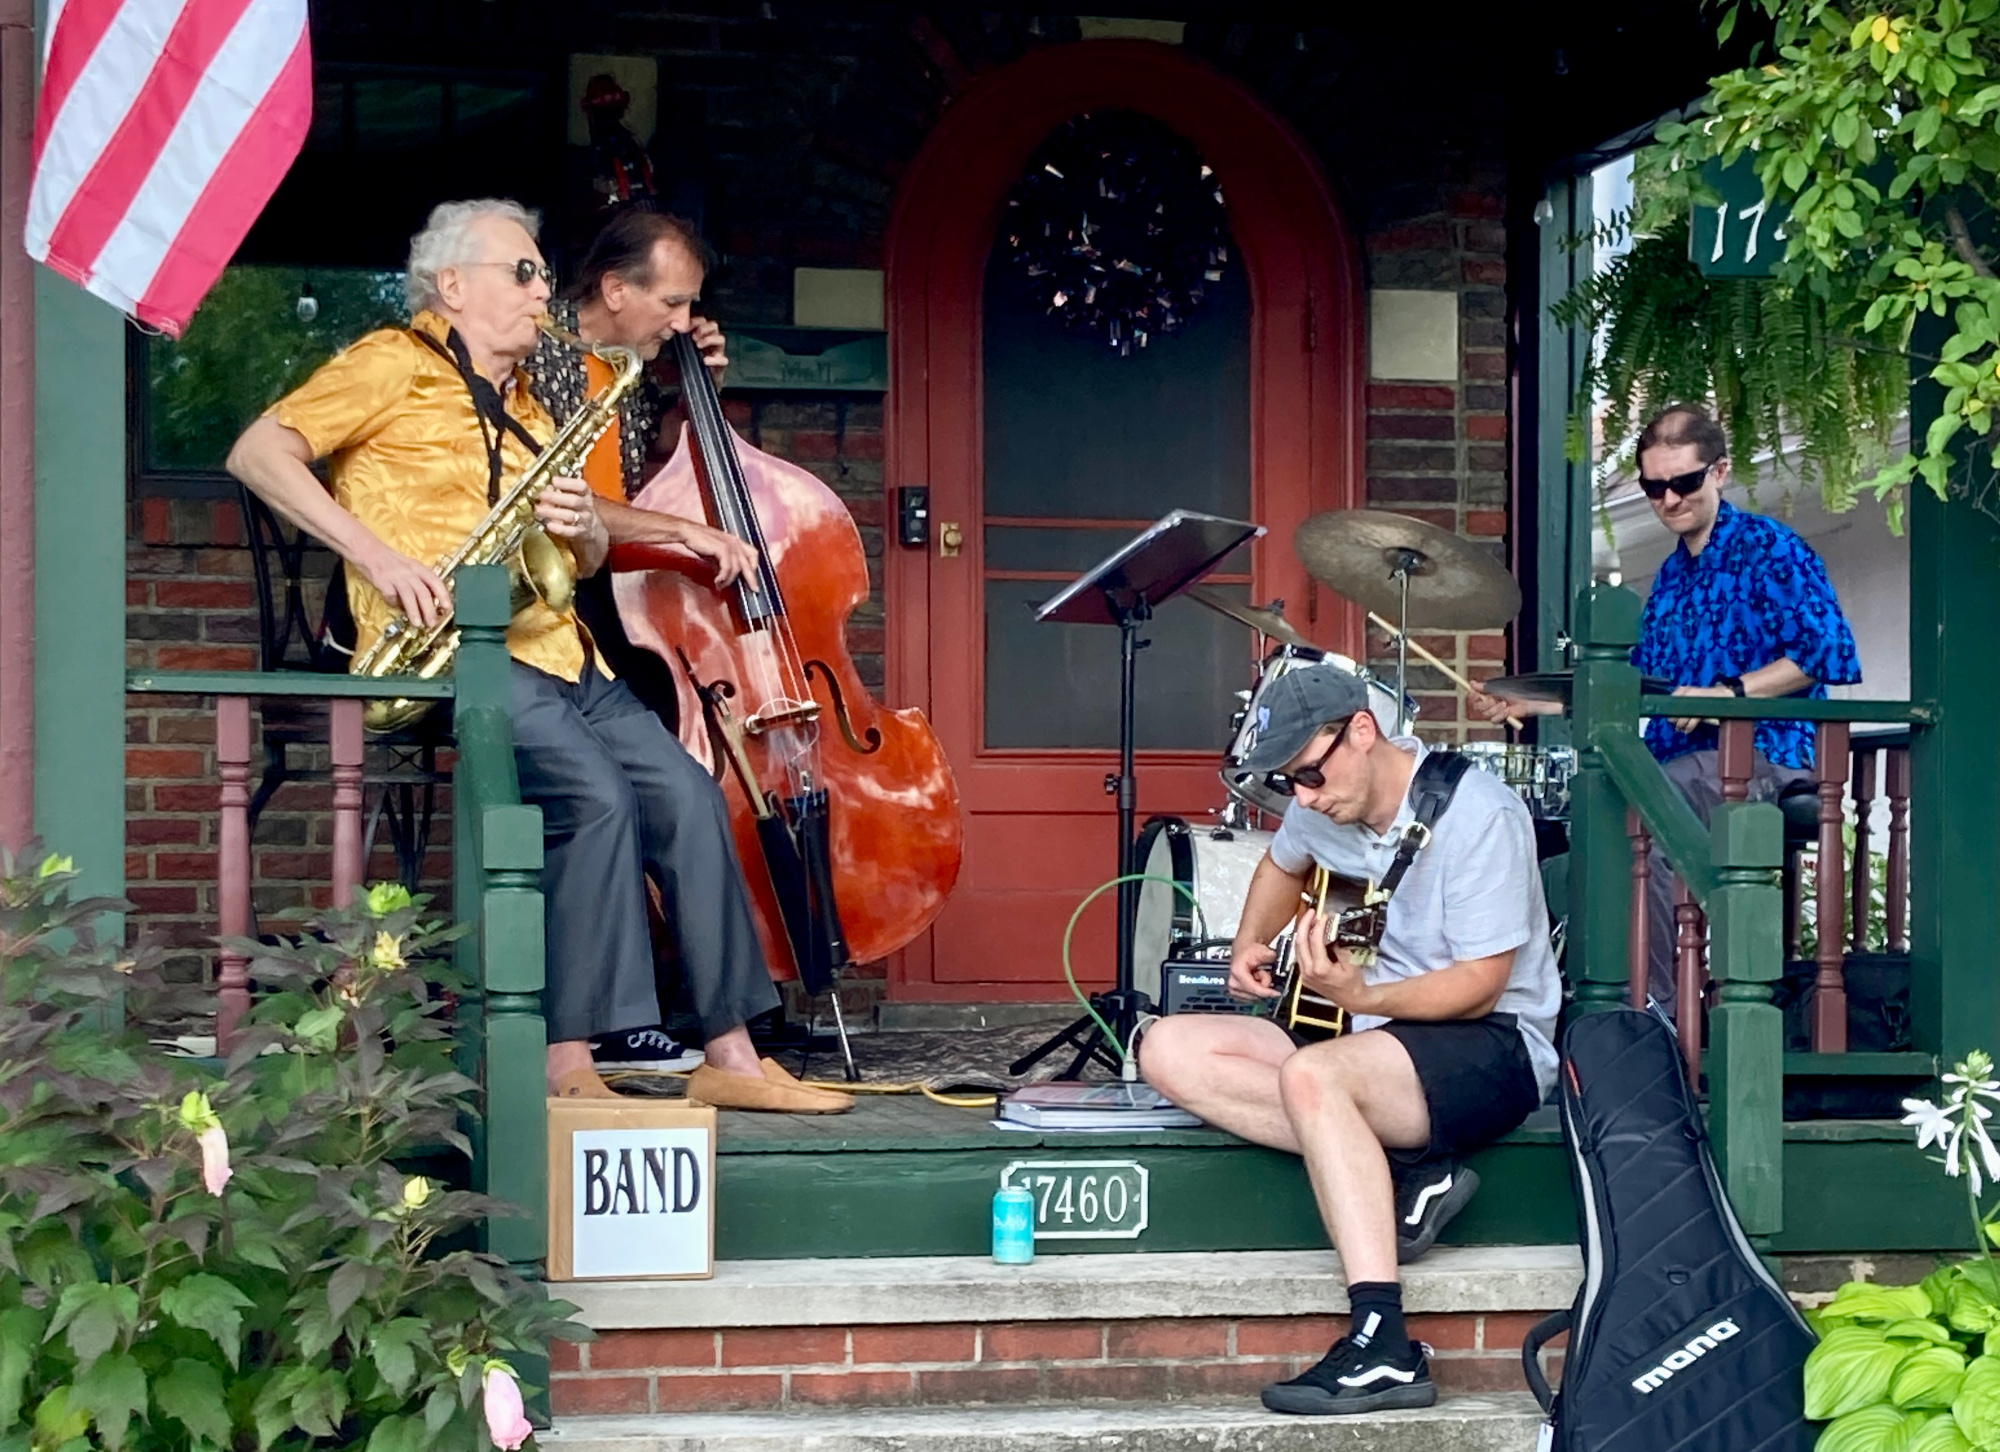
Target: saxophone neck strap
[
  {"x": 1431, "y": 790},
  {"x": 494, "y": 420}
]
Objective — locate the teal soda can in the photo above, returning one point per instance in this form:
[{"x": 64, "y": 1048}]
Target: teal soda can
[{"x": 1013, "y": 1225}]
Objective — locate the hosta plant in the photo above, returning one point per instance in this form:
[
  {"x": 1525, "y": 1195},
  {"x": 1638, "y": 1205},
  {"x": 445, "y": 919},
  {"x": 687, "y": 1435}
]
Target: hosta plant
[
  {"x": 241, "y": 1259},
  {"x": 1916, "y": 1368}
]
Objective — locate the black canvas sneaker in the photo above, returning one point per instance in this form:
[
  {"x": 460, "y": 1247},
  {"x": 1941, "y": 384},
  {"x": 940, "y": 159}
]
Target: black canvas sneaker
[
  {"x": 1357, "y": 1377},
  {"x": 1426, "y": 1199},
  {"x": 645, "y": 1050}
]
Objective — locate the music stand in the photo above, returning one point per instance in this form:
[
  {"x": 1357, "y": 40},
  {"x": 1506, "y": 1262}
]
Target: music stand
[{"x": 1124, "y": 590}]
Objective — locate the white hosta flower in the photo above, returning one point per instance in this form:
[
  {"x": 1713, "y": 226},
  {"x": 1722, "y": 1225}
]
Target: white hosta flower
[{"x": 1932, "y": 1123}]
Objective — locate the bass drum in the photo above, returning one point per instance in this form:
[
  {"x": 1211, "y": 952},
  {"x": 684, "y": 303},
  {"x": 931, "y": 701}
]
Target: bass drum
[{"x": 1213, "y": 865}]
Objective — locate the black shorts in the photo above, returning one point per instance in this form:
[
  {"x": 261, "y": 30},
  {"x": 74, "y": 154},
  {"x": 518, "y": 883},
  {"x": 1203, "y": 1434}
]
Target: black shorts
[{"x": 1478, "y": 1080}]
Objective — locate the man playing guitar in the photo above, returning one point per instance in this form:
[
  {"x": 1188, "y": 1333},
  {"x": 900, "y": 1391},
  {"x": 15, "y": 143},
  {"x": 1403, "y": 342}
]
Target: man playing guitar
[{"x": 1449, "y": 1047}]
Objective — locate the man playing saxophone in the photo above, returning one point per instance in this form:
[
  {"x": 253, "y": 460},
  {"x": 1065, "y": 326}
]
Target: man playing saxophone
[{"x": 422, "y": 426}]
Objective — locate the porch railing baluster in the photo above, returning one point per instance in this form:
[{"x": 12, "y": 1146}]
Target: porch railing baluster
[
  {"x": 1689, "y": 973},
  {"x": 232, "y": 888},
  {"x": 1736, "y": 758},
  {"x": 1860, "y": 886},
  {"x": 1642, "y": 851},
  {"x": 346, "y": 749},
  {"x": 1829, "y": 1010},
  {"x": 1896, "y": 884}
]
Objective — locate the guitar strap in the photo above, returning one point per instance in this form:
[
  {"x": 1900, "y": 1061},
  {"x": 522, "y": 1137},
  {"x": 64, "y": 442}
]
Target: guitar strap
[{"x": 1431, "y": 791}]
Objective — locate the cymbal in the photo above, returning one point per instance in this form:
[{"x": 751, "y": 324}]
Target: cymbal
[
  {"x": 1269, "y": 622},
  {"x": 1555, "y": 686},
  {"x": 1454, "y": 584}
]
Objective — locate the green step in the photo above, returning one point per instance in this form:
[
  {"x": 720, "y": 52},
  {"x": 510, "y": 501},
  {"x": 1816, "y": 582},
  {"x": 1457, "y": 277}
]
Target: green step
[{"x": 907, "y": 1177}]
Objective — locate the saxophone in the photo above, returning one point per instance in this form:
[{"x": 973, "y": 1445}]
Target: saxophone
[{"x": 540, "y": 569}]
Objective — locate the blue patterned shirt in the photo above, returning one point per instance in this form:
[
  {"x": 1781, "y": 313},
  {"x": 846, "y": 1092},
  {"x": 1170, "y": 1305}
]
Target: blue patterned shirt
[{"x": 1756, "y": 594}]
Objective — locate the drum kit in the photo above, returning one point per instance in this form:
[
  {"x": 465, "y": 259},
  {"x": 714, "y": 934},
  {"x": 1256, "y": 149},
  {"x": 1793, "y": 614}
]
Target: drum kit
[{"x": 1388, "y": 564}]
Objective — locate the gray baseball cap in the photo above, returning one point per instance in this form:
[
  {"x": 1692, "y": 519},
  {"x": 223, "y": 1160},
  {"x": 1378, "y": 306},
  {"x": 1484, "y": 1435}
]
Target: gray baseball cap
[{"x": 1296, "y": 706}]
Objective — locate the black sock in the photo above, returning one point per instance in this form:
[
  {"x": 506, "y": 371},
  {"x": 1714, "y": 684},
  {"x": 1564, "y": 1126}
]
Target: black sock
[{"x": 1377, "y": 1315}]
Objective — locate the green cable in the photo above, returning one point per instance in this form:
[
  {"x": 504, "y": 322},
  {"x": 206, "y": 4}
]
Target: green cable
[{"x": 1069, "y": 932}]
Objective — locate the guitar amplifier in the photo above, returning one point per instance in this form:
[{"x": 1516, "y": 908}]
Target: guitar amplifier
[{"x": 1195, "y": 985}]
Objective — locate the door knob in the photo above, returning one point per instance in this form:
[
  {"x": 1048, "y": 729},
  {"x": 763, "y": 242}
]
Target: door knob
[{"x": 951, "y": 539}]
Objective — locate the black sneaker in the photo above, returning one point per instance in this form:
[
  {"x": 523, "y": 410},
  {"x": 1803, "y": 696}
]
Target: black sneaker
[
  {"x": 1357, "y": 1378},
  {"x": 1426, "y": 1199},
  {"x": 645, "y": 1050}
]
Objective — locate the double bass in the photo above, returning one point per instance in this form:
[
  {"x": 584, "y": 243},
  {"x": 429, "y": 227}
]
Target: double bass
[{"x": 845, "y": 814}]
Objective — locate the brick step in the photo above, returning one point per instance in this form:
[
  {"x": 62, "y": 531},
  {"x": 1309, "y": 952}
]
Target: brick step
[
  {"x": 1483, "y": 1423},
  {"x": 786, "y": 1337}
]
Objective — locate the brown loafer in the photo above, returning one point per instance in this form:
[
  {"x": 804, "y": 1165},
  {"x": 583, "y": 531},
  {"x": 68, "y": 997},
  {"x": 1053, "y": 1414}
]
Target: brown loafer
[
  {"x": 582, "y": 1084},
  {"x": 777, "y": 1073},
  {"x": 709, "y": 1085}
]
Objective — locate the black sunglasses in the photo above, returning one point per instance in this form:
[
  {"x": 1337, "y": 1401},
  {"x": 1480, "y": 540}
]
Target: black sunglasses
[
  {"x": 1310, "y": 776},
  {"x": 526, "y": 271},
  {"x": 1681, "y": 484}
]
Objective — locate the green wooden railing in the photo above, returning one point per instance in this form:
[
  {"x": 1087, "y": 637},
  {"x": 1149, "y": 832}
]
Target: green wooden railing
[
  {"x": 1731, "y": 868},
  {"x": 496, "y": 885}
]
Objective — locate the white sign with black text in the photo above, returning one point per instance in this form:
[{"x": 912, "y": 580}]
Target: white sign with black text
[{"x": 631, "y": 1198}]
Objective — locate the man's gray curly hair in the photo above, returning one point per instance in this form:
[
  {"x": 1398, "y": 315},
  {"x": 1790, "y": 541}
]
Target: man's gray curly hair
[{"x": 446, "y": 241}]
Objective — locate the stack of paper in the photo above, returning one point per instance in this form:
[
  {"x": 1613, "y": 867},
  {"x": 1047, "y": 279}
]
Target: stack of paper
[{"x": 1094, "y": 1106}]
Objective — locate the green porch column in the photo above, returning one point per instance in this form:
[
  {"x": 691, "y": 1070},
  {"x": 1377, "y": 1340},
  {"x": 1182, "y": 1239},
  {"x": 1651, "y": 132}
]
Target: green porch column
[
  {"x": 1746, "y": 1048},
  {"x": 1600, "y": 870},
  {"x": 1563, "y": 522},
  {"x": 80, "y": 580},
  {"x": 1954, "y": 766}
]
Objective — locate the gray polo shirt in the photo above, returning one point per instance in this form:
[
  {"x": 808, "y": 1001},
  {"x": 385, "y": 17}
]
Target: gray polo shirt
[{"x": 1475, "y": 891}]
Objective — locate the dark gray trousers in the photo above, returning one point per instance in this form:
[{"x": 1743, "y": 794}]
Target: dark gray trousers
[
  {"x": 1695, "y": 774},
  {"x": 622, "y": 800}
]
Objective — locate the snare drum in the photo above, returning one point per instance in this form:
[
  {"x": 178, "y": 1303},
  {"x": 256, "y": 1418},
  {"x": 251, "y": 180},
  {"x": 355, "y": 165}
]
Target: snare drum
[
  {"x": 1214, "y": 864},
  {"x": 1248, "y": 786},
  {"x": 1539, "y": 775}
]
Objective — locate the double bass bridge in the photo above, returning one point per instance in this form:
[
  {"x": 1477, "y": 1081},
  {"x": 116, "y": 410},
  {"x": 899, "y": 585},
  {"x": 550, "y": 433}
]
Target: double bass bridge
[{"x": 782, "y": 714}]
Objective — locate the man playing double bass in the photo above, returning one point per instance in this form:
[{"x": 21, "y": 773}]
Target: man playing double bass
[
  {"x": 420, "y": 425},
  {"x": 636, "y": 288}
]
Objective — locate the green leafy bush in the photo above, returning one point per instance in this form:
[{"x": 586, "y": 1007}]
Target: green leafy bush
[
  {"x": 1916, "y": 1368},
  {"x": 234, "y": 1260}
]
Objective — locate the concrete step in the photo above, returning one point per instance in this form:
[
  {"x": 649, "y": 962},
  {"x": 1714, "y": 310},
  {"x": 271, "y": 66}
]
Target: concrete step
[{"x": 1487, "y": 1423}]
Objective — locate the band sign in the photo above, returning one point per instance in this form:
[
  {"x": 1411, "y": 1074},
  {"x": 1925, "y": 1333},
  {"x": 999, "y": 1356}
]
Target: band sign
[
  {"x": 632, "y": 1192},
  {"x": 1742, "y": 235},
  {"x": 1083, "y": 1199}
]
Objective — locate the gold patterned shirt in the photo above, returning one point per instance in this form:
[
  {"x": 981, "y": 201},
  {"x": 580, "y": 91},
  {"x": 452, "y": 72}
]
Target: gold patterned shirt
[{"x": 409, "y": 460}]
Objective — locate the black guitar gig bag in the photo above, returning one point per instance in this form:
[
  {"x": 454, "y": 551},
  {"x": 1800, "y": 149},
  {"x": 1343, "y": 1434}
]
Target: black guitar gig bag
[{"x": 1679, "y": 1341}]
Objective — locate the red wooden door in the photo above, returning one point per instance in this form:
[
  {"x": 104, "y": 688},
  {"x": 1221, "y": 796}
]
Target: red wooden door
[{"x": 1040, "y": 831}]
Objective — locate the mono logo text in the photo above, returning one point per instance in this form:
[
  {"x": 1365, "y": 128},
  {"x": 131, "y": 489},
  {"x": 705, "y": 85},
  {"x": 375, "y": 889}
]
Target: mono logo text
[{"x": 1685, "y": 1356}]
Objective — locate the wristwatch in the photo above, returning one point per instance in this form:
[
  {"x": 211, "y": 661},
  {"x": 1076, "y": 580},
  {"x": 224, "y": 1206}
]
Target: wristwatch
[{"x": 1735, "y": 684}]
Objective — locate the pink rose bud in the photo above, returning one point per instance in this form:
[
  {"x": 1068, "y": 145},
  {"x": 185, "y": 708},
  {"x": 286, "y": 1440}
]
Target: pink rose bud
[
  {"x": 215, "y": 1171},
  {"x": 506, "y": 1419}
]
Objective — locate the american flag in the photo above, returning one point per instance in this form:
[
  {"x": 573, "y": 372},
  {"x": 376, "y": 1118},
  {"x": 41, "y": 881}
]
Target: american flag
[{"x": 162, "y": 128}]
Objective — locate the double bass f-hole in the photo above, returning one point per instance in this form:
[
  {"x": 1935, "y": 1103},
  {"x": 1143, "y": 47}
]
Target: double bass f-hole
[{"x": 866, "y": 745}]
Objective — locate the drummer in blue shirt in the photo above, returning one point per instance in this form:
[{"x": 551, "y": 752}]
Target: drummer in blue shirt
[{"x": 1742, "y": 607}]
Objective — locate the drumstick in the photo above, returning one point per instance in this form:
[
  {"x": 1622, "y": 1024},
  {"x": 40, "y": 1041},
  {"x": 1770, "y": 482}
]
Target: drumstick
[{"x": 1458, "y": 680}]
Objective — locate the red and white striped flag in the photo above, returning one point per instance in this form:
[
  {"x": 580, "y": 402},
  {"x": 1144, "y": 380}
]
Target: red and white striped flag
[{"x": 163, "y": 127}]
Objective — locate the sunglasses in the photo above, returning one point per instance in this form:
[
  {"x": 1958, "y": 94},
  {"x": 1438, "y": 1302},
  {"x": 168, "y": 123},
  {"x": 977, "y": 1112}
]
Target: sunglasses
[
  {"x": 1310, "y": 776},
  {"x": 1681, "y": 484},
  {"x": 526, "y": 271}
]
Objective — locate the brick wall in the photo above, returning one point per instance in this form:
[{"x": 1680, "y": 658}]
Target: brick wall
[
  {"x": 1438, "y": 451},
  {"x": 1043, "y": 1361}
]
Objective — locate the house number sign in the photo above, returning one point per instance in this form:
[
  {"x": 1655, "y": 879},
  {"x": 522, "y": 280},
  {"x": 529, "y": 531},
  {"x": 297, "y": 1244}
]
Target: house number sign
[{"x": 1083, "y": 1199}]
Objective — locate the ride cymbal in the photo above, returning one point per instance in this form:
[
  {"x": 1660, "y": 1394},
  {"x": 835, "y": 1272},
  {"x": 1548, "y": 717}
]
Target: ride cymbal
[
  {"x": 1268, "y": 622},
  {"x": 1454, "y": 583}
]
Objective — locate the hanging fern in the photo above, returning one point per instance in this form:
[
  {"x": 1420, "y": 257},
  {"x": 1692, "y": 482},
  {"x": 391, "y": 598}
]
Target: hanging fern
[{"x": 1761, "y": 352}]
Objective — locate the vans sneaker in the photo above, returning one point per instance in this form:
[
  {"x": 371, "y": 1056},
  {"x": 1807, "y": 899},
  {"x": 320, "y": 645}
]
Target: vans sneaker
[
  {"x": 1426, "y": 1200},
  {"x": 646, "y": 1050},
  {"x": 1357, "y": 1377}
]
